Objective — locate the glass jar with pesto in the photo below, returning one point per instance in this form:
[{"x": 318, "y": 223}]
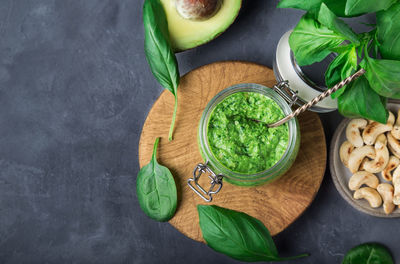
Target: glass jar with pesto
[{"x": 237, "y": 144}]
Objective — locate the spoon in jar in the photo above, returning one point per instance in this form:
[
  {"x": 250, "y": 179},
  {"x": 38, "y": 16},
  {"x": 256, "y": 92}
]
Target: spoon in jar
[{"x": 316, "y": 99}]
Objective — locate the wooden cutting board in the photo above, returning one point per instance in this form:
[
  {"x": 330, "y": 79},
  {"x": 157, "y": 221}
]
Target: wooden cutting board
[{"x": 276, "y": 204}]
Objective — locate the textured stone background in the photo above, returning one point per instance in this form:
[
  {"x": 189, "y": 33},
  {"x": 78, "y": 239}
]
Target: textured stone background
[{"x": 74, "y": 92}]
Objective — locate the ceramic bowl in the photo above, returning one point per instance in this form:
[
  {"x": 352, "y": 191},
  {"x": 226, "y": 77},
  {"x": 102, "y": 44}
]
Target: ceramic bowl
[{"x": 341, "y": 174}]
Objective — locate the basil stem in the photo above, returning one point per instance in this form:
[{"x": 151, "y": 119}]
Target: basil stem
[{"x": 159, "y": 53}]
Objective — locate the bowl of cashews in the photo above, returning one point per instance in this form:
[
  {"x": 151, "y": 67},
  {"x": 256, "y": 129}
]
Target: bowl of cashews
[{"x": 365, "y": 163}]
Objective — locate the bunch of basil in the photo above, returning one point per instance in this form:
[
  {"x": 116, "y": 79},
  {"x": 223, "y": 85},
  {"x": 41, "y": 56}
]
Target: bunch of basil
[{"x": 320, "y": 32}]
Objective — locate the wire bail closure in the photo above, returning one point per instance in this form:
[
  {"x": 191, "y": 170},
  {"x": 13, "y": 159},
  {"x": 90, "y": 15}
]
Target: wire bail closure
[
  {"x": 284, "y": 90},
  {"x": 216, "y": 182}
]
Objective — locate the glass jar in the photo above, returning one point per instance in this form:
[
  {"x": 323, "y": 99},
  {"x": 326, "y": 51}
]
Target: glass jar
[
  {"x": 286, "y": 68},
  {"x": 218, "y": 170}
]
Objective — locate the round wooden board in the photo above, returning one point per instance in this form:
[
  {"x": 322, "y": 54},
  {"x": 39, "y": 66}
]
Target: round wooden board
[{"x": 276, "y": 204}]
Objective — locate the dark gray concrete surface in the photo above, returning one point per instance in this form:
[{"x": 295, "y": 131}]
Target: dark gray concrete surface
[{"x": 75, "y": 90}]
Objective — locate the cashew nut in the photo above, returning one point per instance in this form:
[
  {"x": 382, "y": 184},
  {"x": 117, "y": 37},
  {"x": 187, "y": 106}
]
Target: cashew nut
[
  {"x": 344, "y": 152},
  {"x": 353, "y": 131},
  {"x": 363, "y": 177},
  {"x": 361, "y": 168},
  {"x": 392, "y": 164},
  {"x": 382, "y": 156},
  {"x": 386, "y": 192},
  {"x": 393, "y": 144},
  {"x": 373, "y": 130},
  {"x": 396, "y": 184},
  {"x": 382, "y": 139},
  {"x": 396, "y": 128},
  {"x": 357, "y": 156},
  {"x": 369, "y": 194}
]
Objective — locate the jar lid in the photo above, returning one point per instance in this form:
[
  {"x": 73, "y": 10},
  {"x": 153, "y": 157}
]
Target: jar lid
[{"x": 286, "y": 68}]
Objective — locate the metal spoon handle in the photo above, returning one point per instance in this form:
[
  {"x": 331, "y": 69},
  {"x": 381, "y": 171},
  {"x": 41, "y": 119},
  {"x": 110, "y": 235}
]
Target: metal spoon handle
[{"x": 318, "y": 98}]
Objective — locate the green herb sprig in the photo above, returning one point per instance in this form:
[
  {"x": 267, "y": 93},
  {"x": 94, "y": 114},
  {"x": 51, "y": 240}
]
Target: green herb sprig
[
  {"x": 156, "y": 189},
  {"x": 159, "y": 52},
  {"x": 368, "y": 253},
  {"x": 238, "y": 235},
  {"x": 320, "y": 32}
]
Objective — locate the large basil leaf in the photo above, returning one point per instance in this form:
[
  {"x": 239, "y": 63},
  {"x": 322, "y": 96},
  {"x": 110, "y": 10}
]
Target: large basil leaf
[
  {"x": 340, "y": 68},
  {"x": 159, "y": 53},
  {"x": 327, "y": 18},
  {"x": 360, "y": 100},
  {"x": 388, "y": 24},
  {"x": 383, "y": 76},
  {"x": 237, "y": 235},
  {"x": 311, "y": 42},
  {"x": 337, "y": 6},
  {"x": 359, "y": 7},
  {"x": 307, "y": 5},
  {"x": 156, "y": 190},
  {"x": 368, "y": 253}
]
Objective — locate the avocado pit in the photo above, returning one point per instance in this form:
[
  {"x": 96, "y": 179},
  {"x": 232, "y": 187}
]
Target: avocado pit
[{"x": 197, "y": 9}]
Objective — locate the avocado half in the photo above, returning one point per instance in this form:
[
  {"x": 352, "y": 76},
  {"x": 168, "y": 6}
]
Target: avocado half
[{"x": 188, "y": 33}]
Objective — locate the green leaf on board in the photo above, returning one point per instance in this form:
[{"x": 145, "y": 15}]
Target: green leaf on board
[
  {"x": 156, "y": 189},
  {"x": 237, "y": 235}
]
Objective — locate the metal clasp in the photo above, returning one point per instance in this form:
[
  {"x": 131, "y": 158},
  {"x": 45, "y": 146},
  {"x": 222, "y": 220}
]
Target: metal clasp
[
  {"x": 283, "y": 89},
  {"x": 216, "y": 182}
]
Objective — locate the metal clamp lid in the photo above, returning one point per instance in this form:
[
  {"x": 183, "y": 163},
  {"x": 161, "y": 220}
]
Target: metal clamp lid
[
  {"x": 283, "y": 89},
  {"x": 216, "y": 182}
]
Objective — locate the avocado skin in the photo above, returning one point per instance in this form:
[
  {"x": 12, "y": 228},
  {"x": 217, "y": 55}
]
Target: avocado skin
[{"x": 187, "y": 34}]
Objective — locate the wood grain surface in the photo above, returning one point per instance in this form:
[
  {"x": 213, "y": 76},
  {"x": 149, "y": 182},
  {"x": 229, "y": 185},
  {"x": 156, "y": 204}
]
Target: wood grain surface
[{"x": 276, "y": 204}]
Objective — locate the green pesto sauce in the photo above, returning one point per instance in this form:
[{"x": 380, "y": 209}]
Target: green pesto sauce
[{"x": 241, "y": 144}]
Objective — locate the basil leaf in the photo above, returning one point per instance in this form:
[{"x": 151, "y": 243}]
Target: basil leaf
[
  {"x": 342, "y": 48},
  {"x": 159, "y": 53},
  {"x": 327, "y": 18},
  {"x": 311, "y": 42},
  {"x": 237, "y": 235},
  {"x": 368, "y": 253},
  {"x": 340, "y": 68},
  {"x": 360, "y": 100},
  {"x": 337, "y": 6},
  {"x": 156, "y": 189},
  {"x": 389, "y": 32},
  {"x": 307, "y": 5},
  {"x": 359, "y": 7},
  {"x": 383, "y": 76}
]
